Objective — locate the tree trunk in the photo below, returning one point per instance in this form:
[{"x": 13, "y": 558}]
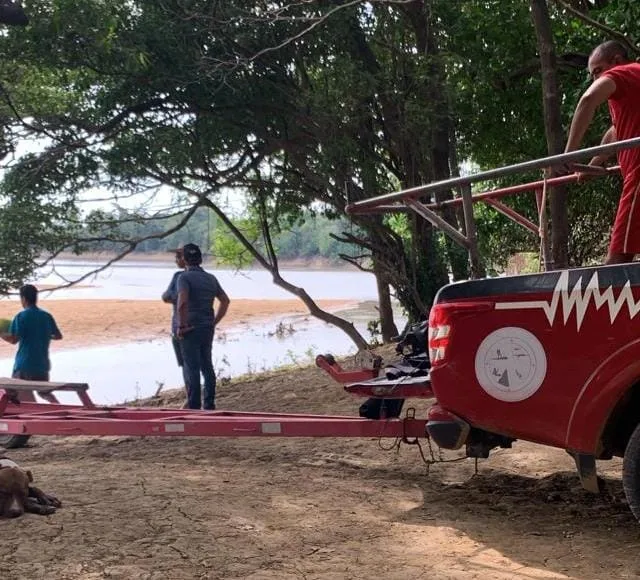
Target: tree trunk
[
  {"x": 553, "y": 129},
  {"x": 468, "y": 221},
  {"x": 441, "y": 133},
  {"x": 423, "y": 269},
  {"x": 388, "y": 327},
  {"x": 441, "y": 154}
]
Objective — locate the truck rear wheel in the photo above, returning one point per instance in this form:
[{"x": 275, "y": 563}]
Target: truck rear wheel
[
  {"x": 13, "y": 441},
  {"x": 631, "y": 472}
]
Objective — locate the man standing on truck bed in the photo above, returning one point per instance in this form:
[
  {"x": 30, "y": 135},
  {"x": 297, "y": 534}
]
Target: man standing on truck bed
[{"x": 617, "y": 80}]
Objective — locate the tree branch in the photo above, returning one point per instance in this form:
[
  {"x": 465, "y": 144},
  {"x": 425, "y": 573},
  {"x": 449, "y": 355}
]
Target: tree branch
[
  {"x": 592, "y": 22},
  {"x": 130, "y": 246}
]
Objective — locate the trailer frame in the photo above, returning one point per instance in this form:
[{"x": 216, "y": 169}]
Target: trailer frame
[{"x": 28, "y": 417}]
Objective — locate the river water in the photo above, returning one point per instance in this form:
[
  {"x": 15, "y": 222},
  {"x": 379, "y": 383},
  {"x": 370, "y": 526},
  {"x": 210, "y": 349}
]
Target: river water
[{"x": 127, "y": 371}]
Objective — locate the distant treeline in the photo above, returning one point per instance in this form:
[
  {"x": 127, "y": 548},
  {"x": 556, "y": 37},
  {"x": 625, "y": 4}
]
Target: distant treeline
[{"x": 307, "y": 238}]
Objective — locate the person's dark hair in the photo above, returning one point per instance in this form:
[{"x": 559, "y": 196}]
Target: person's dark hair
[
  {"x": 610, "y": 49},
  {"x": 30, "y": 293},
  {"x": 12, "y": 13},
  {"x": 192, "y": 254}
]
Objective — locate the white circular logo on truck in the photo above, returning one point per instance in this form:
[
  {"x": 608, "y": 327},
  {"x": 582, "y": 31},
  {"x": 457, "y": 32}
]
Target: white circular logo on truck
[{"x": 511, "y": 364}]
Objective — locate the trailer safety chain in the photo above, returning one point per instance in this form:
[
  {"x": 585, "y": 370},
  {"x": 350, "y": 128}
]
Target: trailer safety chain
[
  {"x": 410, "y": 414},
  {"x": 428, "y": 461},
  {"x": 394, "y": 446}
]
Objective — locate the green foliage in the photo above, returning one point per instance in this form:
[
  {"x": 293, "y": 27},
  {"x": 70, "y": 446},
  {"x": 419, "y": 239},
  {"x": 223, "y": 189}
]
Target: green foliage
[
  {"x": 228, "y": 249},
  {"x": 375, "y": 332},
  {"x": 209, "y": 96},
  {"x": 592, "y": 208},
  {"x": 495, "y": 73},
  {"x": 112, "y": 231},
  {"x": 308, "y": 237},
  {"x": 531, "y": 263},
  {"x": 499, "y": 237},
  {"x": 32, "y": 221},
  {"x": 313, "y": 236},
  {"x": 400, "y": 225}
]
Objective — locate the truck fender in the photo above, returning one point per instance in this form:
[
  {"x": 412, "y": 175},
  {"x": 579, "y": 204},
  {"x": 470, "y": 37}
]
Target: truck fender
[{"x": 599, "y": 395}]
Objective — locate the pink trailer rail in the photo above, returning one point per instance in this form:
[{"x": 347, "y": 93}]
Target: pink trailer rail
[{"x": 26, "y": 418}]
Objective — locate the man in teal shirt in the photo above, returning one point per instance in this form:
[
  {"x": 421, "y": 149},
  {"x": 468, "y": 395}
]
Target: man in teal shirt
[{"x": 32, "y": 329}]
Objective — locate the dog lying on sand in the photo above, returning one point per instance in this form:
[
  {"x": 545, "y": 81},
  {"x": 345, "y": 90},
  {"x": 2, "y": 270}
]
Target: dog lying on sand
[{"x": 18, "y": 496}]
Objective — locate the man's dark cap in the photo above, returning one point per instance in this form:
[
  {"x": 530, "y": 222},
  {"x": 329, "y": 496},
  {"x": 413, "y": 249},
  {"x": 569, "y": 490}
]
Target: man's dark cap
[
  {"x": 191, "y": 253},
  {"x": 12, "y": 13}
]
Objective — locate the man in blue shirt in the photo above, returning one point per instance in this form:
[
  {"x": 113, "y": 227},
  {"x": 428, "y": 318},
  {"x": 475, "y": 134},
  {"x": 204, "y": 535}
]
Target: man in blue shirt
[
  {"x": 32, "y": 329},
  {"x": 197, "y": 291}
]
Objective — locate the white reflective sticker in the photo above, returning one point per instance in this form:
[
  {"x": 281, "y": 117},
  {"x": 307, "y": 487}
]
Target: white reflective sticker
[
  {"x": 174, "y": 427},
  {"x": 4, "y": 426},
  {"x": 271, "y": 428},
  {"x": 511, "y": 364}
]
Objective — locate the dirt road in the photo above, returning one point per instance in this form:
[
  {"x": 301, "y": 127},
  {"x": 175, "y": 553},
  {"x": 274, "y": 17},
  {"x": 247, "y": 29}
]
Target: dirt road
[{"x": 302, "y": 509}]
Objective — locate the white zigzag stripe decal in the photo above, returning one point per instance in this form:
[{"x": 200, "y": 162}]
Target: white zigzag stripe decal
[{"x": 579, "y": 299}]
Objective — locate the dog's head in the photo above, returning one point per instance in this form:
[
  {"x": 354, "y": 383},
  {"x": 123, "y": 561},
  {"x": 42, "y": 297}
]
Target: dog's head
[{"x": 14, "y": 489}]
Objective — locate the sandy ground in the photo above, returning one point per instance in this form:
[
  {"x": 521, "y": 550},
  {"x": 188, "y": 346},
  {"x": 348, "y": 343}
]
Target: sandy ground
[
  {"x": 92, "y": 322},
  {"x": 179, "y": 508}
]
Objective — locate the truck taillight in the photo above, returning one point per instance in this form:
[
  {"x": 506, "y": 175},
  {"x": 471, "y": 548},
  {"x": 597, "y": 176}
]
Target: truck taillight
[
  {"x": 441, "y": 320},
  {"x": 439, "y": 331}
]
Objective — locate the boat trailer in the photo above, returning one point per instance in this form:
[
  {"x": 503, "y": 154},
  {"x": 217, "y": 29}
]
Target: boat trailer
[{"x": 21, "y": 415}]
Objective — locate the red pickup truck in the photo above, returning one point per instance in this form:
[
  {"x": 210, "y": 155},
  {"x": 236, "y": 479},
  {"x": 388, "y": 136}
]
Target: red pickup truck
[{"x": 552, "y": 358}]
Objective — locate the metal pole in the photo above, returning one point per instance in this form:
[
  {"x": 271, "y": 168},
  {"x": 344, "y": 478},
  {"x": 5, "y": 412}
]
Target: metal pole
[
  {"x": 491, "y": 194},
  {"x": 542, "y": 163},
  {"x": 471, "y": 232},
  {"x": 437, "y": 221},
  {"x": 523, "y": 187},
  {"x": 545, "y": 246},
  {"x": 513, "y": 215}
]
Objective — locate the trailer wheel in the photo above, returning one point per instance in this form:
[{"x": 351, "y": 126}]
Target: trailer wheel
[
  {"x": 13, "y": 441},
  {"x": 631, "y": 472}
]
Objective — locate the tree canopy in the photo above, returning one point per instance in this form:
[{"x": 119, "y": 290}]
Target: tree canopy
[{"x": 295, "y": 106}]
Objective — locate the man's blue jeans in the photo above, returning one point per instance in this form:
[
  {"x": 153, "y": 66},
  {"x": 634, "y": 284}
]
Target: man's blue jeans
[{"x": 196, "y": 348}]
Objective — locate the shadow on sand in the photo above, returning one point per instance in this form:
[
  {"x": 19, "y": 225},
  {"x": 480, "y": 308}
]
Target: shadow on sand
[{"x": 548, "y": 523}]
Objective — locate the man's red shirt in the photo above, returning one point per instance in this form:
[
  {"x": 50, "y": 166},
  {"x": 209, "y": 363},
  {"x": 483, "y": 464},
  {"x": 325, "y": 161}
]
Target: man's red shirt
[{"x": 624, "y": 106}]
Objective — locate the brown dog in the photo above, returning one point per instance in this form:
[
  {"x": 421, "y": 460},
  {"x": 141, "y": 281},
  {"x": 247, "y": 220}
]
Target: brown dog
[{"x": 17, "y": 495}]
